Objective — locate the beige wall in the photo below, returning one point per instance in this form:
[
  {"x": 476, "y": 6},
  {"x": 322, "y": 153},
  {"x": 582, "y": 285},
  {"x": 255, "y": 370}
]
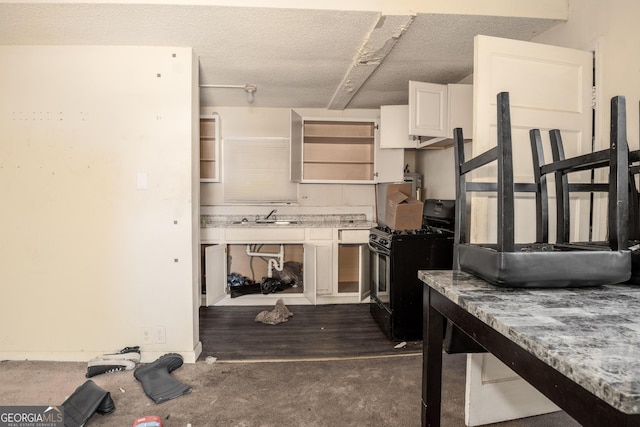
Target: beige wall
[
  {"x": 437, "y": 168},
  {"x": 89, "y": 260},
  {"x": 611, "y": 29}
]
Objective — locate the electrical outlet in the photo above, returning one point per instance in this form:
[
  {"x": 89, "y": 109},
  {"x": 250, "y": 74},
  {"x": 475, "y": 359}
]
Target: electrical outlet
[
  {"x": 147, "y": 336},
  {"x": 159, "y": 335}
]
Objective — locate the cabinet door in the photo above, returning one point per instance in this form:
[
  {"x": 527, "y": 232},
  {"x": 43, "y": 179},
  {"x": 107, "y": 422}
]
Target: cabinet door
[
  {"x": 460, "y": 109},
  {"x": 309, "y": 271},
  {"x": 215, "y": 273},
  {"x": 428, "y": 114},
  {"x": 296, "y": 147},
  {"x": 435, "y": 110},
  {"x": 394, "y": 127},
  {"x": 389, "y": 163},
  {"x": 365, "y": 272},
  {"x": 210, "y": 148}
]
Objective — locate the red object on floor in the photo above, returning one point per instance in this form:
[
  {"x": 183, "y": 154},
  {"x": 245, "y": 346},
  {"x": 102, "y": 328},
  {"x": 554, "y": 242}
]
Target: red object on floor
[{"x": 148, "y": 421}]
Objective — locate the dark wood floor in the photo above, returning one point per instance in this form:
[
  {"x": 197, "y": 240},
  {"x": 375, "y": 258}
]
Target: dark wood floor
[{"x": 314, "y": 332}]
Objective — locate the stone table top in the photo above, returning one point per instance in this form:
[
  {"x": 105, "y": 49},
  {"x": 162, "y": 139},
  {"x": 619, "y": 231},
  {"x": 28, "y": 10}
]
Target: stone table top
[{"x": 591, "y": 335}]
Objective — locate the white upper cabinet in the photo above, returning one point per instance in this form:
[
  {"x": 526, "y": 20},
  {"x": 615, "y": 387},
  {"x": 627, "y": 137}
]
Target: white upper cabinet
[
  {"x": 428, "y": 113},
  {"x": 435, "y": 110},
  {"x": 330, "y": 150},
  {"x": 210, "y": 148}
]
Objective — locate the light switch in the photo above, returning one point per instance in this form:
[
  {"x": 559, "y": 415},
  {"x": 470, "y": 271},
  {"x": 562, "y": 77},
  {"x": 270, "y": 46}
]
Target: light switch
[{"x": 142, "y": 181}]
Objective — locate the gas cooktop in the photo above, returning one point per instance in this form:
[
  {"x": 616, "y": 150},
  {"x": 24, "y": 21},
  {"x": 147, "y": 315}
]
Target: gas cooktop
[
  {"x": 382, "y": 237},
  {"x": 384, "y": 230}
]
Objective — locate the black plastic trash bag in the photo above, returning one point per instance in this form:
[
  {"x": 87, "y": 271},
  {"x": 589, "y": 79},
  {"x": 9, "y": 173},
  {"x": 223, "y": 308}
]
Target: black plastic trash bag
[{"x": 270, "y": 285}]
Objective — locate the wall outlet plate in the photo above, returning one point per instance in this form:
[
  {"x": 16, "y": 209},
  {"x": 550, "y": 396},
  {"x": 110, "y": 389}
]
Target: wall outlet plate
[
  {"x": 147, "y": 335},
  {"x": 159, "y": 335}
]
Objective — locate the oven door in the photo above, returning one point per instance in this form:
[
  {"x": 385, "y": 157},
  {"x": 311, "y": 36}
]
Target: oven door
[
  {"x": 380, "y": 277},
  {"x": 381, "y": 286}
]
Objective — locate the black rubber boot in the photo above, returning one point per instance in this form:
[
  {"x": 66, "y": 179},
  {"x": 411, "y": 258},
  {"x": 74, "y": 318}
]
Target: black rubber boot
[
  {"x": 84, "y": 402},
  {"x": 156, "y": 381}
]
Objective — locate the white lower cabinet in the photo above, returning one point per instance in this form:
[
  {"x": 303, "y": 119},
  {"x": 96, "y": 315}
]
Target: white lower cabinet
[
  {"x": 351, "y": 258},
  {"x": 333, "y": 265}
]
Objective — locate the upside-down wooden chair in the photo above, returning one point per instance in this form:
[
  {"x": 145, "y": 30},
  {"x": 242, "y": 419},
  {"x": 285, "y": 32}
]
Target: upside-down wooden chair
[{"x": 542, "y": 263}]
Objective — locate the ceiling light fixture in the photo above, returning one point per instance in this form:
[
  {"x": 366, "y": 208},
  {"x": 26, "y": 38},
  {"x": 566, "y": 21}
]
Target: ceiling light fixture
[{"x": 250, "y": 88}]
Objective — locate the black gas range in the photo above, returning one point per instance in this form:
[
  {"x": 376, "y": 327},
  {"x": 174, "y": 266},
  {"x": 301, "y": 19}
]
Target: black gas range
[
  {"x": 382, "y": 238},
  {"x": 396, "y": 257}
]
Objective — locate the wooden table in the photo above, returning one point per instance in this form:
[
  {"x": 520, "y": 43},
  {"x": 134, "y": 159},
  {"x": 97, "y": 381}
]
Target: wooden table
[{"x": 580, "y": 347}]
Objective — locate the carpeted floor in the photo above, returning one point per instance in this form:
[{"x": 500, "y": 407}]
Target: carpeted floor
[{"x": 356, "y": 392}]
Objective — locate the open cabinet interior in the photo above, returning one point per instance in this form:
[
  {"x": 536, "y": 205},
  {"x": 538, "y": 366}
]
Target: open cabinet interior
[
  {"x": 315, "y": 272},
  {"x": 338, "y": 150},
  {"x": 348, "y": 268},
  {"x": 256, "y": 266}
]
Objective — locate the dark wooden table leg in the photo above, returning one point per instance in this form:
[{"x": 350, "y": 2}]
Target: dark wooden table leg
[{"x": 433, "y": 323}]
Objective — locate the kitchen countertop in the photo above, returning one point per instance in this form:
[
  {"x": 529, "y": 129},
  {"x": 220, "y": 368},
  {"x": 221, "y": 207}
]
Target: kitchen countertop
[
  {"x": 590, "y": 335},
  {"x": 298, "y": 221}
]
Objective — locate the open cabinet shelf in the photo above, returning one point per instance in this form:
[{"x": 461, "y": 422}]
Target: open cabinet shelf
[
  {"x": 338, "y": 129},
  {"x": 341, "y": 151},
  {"x": 338, "y": 150},
  {"x": 365, "y": 140},
  {"x": 209, "y": 148}
]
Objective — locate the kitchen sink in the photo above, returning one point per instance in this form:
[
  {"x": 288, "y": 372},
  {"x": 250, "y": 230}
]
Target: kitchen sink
[
  {"x": 275, "y": 221},
  {"x": 266, "y": 222}
]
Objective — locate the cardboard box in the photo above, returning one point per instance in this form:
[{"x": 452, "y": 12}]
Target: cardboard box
[
  {"x": 404, "y": 188},
  {"x": 402, "y": 212}
]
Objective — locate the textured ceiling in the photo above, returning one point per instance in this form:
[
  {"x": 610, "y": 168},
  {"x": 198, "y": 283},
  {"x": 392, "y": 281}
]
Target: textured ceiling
[{"x": 297, "y": 58}]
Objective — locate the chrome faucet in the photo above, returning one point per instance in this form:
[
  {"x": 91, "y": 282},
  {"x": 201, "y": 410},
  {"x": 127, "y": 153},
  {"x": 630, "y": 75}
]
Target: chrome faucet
[{"x": 271, "y": 213}]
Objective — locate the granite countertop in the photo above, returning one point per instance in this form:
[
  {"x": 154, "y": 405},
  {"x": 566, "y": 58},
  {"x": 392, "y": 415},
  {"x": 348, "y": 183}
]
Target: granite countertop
[
  {"x": 297, "y": 221},
  {"x": 591, "y": 335}
]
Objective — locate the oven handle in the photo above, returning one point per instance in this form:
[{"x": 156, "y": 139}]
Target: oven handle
[{"x": 379, "y": 250}]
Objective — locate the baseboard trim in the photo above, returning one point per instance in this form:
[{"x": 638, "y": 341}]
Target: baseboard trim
[{"x": 85, "y": 356}]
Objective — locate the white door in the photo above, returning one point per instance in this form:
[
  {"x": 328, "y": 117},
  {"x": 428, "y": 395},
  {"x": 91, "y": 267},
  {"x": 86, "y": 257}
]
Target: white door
[
  {"x": 215, "y": 273},
  {"x": 549, "y": 88}
]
